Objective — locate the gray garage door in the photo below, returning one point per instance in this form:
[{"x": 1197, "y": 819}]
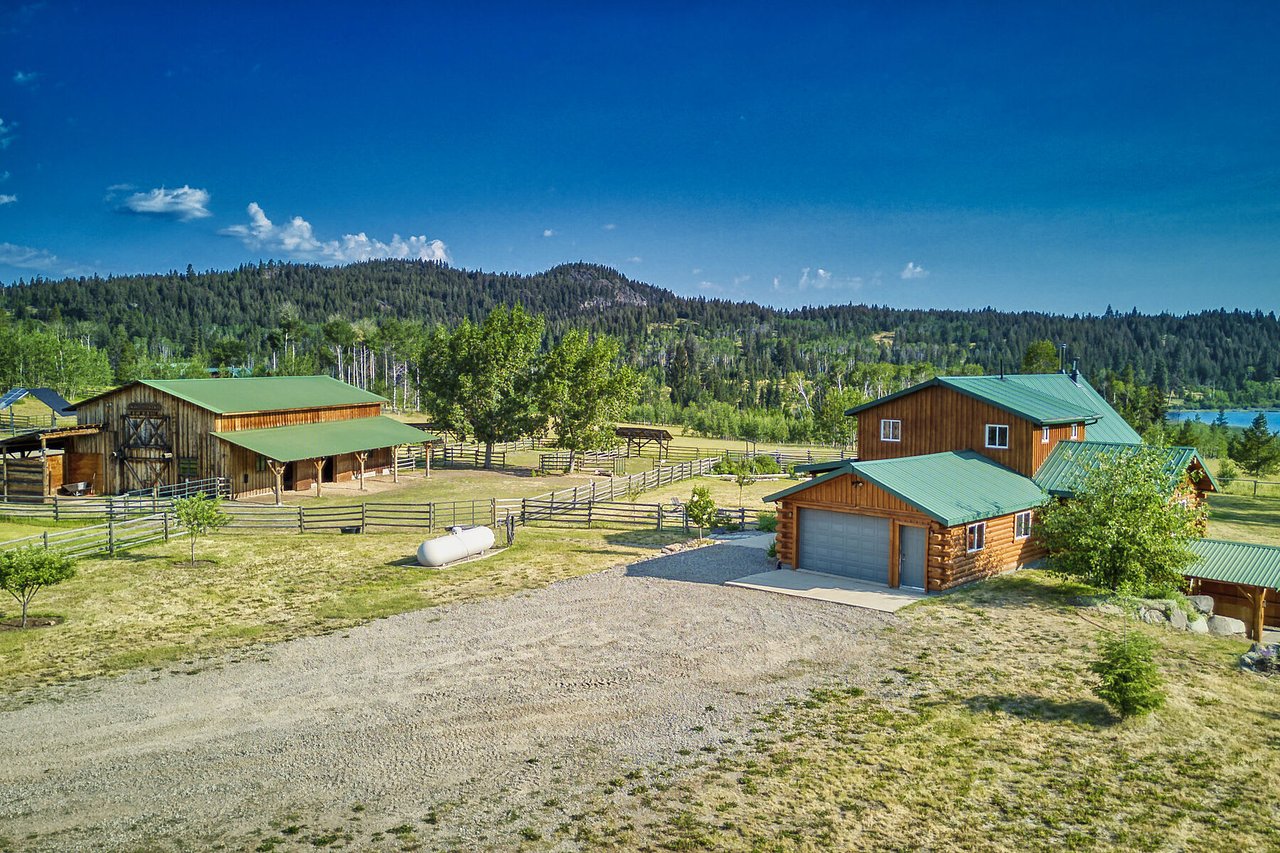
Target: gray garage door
[{"x": 855, "y": 546}]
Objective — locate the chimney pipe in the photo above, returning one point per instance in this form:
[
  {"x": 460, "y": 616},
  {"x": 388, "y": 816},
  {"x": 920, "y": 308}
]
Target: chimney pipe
[{"x": 1075, "y": 370}]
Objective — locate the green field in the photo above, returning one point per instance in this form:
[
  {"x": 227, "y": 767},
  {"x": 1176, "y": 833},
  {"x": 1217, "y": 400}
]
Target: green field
[
  {"x": 984, "y": 734},
  {"x": 150, "y": 608}
]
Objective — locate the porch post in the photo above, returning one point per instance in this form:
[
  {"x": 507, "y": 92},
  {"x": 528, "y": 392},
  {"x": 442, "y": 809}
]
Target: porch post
[
  {"x": 426, "y": 447},
  {"x": 361, "y": 456},
  {"x": 319, "y": 465},
  {"x": 395, "y": 464},
  {"x": 277, "y": 468}
]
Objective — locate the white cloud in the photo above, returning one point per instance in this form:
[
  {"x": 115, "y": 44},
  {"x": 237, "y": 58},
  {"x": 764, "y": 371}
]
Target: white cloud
[
  {"x": 297, "y": 239},
  {"x": 777, "y": 282},
  {"x": 823, "y": 279},
  {"x": 634, "y": 259},
  {"x": 4, "y": 176},
  {"x": 548, "y": 232},
  {"x": 184, "y": 203},
  {"x": 740, "y": 280},
  {"x": 7, "y": 199},
  {"x": 710, "y": 287},
  {"x": 696, "y": 271},
  {"x": 26, "y": 257},
  {"x": 823, "y": 275},
  {"x": 24, "y": 78},
  {"x": 912, "y": 271},
  {"x": 6, "y": 133},
  {"x": 609, "y": 227}
]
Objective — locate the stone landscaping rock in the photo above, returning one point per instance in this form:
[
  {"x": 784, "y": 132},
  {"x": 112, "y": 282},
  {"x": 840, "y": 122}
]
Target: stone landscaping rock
[
  {"x": 1178, "y": 618},
  {"x": 1225, "y": 626},
  {"x": 1152, "y": 616},
  {"x": 1199, "y": 626},
  {"x": 1110, "y": 609},
  {"x": 1202, "y": 603}
]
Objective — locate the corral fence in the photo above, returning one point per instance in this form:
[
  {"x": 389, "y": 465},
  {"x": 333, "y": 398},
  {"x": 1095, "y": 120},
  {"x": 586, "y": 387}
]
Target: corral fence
[
  {"x": 559, "y": 460},
  {"x": 12, "y": 423},
  {"x": 135, "y": 520}
]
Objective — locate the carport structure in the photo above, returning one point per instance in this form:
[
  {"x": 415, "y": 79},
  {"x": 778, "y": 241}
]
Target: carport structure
[{"x": 1243, "y": 578}]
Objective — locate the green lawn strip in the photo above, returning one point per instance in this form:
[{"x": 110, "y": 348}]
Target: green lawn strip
[
  {"x": 724, "y": 491},
  {"x": 20, "y": 528},
  {"x": 984, "y": 734},
  {"x": 1245, "y": 519},
  {"x": 149, "y": 608}
]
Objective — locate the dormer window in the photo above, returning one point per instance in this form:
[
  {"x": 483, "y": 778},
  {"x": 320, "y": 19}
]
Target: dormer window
[
  {"x": 1075, "y": 432},
  {"x": 890, "y": 430},
  {"x": 998, "y": 436},
  {"x": 1044, "y": 436}
]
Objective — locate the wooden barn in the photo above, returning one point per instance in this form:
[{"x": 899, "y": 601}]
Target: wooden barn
[
  {"x": 949, "y": 475},
  {"x": 262, "y": 433}
]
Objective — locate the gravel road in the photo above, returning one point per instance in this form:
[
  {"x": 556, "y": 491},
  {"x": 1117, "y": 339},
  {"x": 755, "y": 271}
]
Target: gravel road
[{"x": 472, "y": 713}]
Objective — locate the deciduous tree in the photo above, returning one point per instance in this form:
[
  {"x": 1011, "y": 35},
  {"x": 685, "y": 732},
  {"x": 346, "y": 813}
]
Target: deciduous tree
[
  {"x": 26, "y": 571},
  {"x": 1255, "y": 449},
  {"x": 584, "y": 391},
  {"x": 199, "y": 515}
]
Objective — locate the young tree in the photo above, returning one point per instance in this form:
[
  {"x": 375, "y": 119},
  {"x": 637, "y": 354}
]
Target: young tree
[
  {"x": 1256, "y": 449},
  {"x": 199, "y": 515},
  {"x": 1128, "y": 678},
  {"x": 701, "y": 509},
  {"x": 1125, "y": 528},
  {"x": 479, "y": 380},
  {"x": 26, "y": 571},
  {"x": 743, "y": 475},
  {"x": 584, "y": 392},
  {"x": 1040, "y": 357}
]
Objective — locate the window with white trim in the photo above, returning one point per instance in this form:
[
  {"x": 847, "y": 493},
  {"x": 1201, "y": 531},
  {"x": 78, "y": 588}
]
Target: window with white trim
[
  {"x": 976, "y": 537},
  {"x": 998, "y": 436},
  {"x": 1075, "y": 432},
  {"x": 890, "y": 430},
  {"x": 1022, "y": 525},
  {"x": 1044, "y": 436}
]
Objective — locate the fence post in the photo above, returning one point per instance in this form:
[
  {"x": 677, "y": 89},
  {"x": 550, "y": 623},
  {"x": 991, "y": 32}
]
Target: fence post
[
  {"x": 364, "y": 515},
  {"x": 165, "y": 516},
  {"x": 46, "y": 540},
  {"x": 55, "y": 507},
  {"x": 111, "y": 535},
  {"x": 1255, "y": 488},
  {"x": 302, "y": 524},
  {"x": 524, "y": 511},
  {"x": 590, "y": 504},
  {"x": 493, "y": 511},
  {"x": 659, "y": 518}
]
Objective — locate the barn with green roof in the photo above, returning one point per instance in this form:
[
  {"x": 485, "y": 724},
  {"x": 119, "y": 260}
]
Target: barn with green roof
[
  {"x": 280, "y": 433},
  {"x": 948, "y": 476}
]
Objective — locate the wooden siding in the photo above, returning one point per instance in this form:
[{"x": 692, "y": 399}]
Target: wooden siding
[
  {"x": 951, "y": 565},
  {"x": 1229, "y": 600},
  {"x": 190, "y": 429},
  {"x": 294, "y": 417},
  {"x": 84, "y": 468},
  {"x": 938, "y": 419},
  {"x": 947, "y": 563}
]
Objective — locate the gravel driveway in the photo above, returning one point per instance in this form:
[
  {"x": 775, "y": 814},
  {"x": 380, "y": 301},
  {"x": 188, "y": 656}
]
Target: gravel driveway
[{"x": 473, "y": 712}]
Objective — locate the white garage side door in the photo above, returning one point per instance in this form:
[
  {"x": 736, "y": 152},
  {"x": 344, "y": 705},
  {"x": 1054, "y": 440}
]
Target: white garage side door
[{"x": 854, "y": 546}]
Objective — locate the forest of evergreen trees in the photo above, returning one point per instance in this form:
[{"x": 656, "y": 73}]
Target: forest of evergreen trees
[{"x": 722, "y": 366}]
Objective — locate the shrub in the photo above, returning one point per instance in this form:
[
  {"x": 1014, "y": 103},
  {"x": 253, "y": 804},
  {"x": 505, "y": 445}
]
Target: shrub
[
  {"x": 766, "y": 464},
  {"x": 772, "y": 553},
  {"x": 701, "y": 508},
  {"x": 768, "y": 522},
  {"x": 1128, "y": 679},
  {"x": 1228, "y": 473}
]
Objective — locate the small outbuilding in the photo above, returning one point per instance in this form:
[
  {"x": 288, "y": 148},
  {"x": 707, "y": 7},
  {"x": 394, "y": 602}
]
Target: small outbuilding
[
  {"x": 1243, "y": 579},
  {"x": 638, "y": 438}
]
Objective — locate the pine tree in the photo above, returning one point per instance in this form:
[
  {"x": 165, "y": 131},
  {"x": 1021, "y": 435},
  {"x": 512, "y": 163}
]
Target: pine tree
[{"x": 1256, "y": 449}]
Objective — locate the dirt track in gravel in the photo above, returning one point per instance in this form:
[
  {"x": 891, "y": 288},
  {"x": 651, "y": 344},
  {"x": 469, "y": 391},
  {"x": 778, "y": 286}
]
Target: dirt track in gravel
[{"x": 474, "y": 712}]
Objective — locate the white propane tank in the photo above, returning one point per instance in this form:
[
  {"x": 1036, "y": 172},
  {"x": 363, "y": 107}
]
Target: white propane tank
[{"x": 458, "y": 544}]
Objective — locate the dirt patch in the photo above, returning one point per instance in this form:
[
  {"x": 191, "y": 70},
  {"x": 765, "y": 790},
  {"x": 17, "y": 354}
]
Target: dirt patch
[
  {"x": 468, "y": 714},
  {"x": 15, "y": 624}
]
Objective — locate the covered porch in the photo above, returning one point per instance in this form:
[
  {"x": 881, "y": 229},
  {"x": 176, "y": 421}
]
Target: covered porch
[{"x": 1243, "y": 579}]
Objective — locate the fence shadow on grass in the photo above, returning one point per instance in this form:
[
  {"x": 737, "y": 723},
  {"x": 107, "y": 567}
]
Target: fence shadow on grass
[{"x": 1086, "y": 712}]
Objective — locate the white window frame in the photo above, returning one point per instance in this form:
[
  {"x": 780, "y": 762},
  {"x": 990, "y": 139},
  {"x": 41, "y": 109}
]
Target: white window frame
[
  {"x": 1044, "y": 436},
  {"x": 891, "y": 429},
  {"x": 979, "y": 528},
  {"x": 1004, "y": 427},
  {"x": 1075, "y": 432},
  {"x": 1018, "y": 526}
]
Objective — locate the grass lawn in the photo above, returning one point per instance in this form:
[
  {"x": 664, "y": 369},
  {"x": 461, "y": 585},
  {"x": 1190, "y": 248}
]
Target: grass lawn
[
  {"x": 685, "y": 437},
  {"x": 20, "y": 528},
  {"x": 724, "y": 491},
  {"x": 1245, "y": 519},
  {"x": 149, "y": 609},
  {"x": 985, "y": 735}
]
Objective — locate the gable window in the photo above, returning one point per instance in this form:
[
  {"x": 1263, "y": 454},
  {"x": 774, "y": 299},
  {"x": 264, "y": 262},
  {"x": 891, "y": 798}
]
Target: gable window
[
  {"x": 998, "y": 436},
  {"x": 1022, "y": 525},
  {"x": 976, "y": 537},
  {"x": 1044, "y": 436},
  {"x": 890, "y": 430},
  {"x": 1075, "y": 432},
  {"x": 188, "y": 467}
]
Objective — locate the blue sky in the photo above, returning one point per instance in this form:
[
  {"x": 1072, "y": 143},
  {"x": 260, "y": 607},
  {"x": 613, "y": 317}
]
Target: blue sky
[{"x": 1022, "y": 155}]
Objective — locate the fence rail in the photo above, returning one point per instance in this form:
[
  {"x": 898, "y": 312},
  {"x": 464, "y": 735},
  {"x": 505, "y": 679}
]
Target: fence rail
[{"x": 134, "y": 520}]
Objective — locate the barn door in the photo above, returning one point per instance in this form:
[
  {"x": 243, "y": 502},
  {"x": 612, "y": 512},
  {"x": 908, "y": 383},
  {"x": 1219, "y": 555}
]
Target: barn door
[{"x": 145, "y": 450}]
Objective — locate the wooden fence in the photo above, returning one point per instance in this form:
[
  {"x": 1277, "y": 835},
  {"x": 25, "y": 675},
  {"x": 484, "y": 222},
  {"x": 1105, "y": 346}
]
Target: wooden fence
[
  {"x": 133, "y": 520},
  {"x": 109, "y": 538},
  {"x": 559, "y": 460}
]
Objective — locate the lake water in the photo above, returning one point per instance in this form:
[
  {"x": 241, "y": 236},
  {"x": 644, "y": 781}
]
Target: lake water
[{"x": 1235, "y": 417}]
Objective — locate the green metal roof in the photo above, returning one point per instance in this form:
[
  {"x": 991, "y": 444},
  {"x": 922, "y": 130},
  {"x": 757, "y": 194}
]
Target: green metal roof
[
  {"x": 1045, "y": 399},
  {"x": 954, "y": 487},
  {"x": 261, "y": 393},
  {"x": 1236, "y": 562},
  {"x": 311, "y": 441},
  {"x": 821, "y": 467},
  {"x": 1069, "y": 461}
]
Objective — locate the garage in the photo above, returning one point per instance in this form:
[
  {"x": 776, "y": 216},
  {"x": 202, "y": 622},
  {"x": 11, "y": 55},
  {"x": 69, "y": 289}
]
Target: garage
[{"x": 839, "y": 543}]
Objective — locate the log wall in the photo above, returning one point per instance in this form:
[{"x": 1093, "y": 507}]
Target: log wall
[
  {"x": 951, "y": 565},
  {"x": 938, "y": 419},
  {"x": 1229, "y": 600}
]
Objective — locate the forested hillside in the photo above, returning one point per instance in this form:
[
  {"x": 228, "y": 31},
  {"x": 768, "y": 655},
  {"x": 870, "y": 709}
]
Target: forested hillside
[{"x": 732, "y": 359}]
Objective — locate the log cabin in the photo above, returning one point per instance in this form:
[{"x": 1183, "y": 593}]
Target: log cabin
[
  {"x": 278, "y": 433},
  {"x": 948, "y": 476}
]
